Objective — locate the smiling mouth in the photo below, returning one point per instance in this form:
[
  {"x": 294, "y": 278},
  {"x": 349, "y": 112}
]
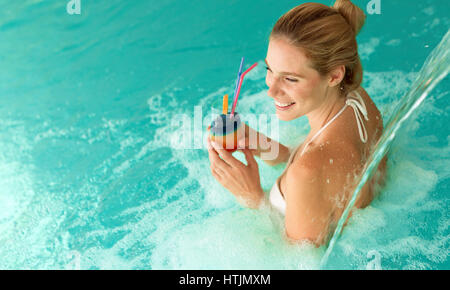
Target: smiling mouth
[{"x": 283, "y": 106}]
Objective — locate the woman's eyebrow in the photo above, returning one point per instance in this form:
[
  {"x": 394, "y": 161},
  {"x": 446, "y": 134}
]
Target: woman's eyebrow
[{"x": 285, "y": 73}]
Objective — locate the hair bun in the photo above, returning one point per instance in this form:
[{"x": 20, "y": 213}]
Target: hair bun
[{"x": 352, "y": 14}]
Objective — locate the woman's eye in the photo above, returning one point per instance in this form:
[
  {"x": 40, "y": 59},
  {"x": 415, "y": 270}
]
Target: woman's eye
[{"x": 288, "y": 79}]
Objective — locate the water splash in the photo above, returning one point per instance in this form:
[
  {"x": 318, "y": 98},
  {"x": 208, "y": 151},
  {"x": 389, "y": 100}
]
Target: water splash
[{"x": 435, "y": 68}]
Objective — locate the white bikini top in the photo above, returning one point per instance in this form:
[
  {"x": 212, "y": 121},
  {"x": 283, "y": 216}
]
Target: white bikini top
[{"x": 357, "y": 103}]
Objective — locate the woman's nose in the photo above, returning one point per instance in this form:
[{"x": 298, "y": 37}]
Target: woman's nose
[{"x": 273, "y": 88}]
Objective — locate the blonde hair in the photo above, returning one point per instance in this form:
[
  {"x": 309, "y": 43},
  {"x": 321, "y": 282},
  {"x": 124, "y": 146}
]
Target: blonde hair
[{"x": 327, "y": 35}]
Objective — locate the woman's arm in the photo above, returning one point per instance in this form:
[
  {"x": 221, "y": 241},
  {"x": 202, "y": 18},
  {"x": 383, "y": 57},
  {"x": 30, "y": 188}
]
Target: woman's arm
[
  {"x": 267, "y": 149},
  {"x": 306, "y": 211}
]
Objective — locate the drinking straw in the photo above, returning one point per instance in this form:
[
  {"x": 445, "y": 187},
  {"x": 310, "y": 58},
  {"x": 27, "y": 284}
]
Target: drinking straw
[
  {"x": 239, "y": 88},
  {"x": 238, "y": 77},
  {"x": 225, "y": 104}
]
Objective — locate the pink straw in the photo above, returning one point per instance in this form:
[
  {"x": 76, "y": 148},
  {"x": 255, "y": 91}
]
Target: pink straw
[{"x": 239, "y": 88}]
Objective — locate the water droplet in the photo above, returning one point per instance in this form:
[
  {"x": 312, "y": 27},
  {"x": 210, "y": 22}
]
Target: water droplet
[
  {"x": 331, "y": 161},
  {"x": 328, "y": 181}
]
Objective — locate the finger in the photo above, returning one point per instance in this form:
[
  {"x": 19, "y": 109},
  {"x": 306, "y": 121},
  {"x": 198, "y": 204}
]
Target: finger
[
  {"x": 227, "y": 156},
  {"x": 251, "y": 161},
  {"x": 242, "y": 143},
  {"x": 245, "y": 143},
  {"x": 216, "y": 175},
  {"x": 219, "y": 174},
  {"x": 208, "y": 143},
  {"x": 216, "y": 161}
]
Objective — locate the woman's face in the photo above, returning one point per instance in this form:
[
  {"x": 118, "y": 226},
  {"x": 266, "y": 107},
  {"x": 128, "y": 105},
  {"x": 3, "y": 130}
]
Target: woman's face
[{"x": 295, "y": 86}]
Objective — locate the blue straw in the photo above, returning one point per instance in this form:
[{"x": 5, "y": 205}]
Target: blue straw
[{"x": 238, "y": 77}]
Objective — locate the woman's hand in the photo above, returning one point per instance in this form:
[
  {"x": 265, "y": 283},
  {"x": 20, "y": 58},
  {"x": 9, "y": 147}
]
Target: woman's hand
[
  {"x": 250, "y": 140},
  {"x": 269, "y": 150},
  {"x": 241, "y": 180}
]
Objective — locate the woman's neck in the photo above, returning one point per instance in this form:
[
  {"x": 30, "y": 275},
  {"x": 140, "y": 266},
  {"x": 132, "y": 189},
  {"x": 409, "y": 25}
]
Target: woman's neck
[{"x": 327, "y": 110}]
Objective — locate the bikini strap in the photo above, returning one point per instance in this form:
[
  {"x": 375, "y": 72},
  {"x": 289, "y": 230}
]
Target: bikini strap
[
  {"x": 359, "y": 107},
  {"x": 324, "y": 127}
]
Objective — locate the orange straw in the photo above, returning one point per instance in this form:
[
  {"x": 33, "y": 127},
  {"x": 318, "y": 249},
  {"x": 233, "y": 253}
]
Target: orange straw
[
  {"x": 239, "y": 88},
  {"x": 225, "y": 105}
]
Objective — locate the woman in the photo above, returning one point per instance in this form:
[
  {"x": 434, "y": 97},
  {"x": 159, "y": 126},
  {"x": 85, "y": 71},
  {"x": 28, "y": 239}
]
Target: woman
[{"x": 313, "y": 70}]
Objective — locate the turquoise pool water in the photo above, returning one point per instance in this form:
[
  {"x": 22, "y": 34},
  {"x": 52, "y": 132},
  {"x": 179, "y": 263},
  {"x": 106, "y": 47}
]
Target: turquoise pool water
[{"x": 88, "y": 179}]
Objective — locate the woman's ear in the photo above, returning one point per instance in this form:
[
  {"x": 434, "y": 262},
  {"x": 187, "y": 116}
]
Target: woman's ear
[{"x": 336, "y": 76}]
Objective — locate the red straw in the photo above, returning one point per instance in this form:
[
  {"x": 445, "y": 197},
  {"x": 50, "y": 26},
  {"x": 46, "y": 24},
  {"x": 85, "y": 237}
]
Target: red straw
[{"x": 239, "y": 88}]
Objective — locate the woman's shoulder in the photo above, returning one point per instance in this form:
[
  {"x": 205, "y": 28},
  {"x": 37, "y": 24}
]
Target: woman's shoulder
[
  {"x": 328, "y": 158},
  {"x": 315, "y": 176}
]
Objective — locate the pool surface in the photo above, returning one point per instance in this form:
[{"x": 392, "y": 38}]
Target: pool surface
[{"x": 89, "y": 177}]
